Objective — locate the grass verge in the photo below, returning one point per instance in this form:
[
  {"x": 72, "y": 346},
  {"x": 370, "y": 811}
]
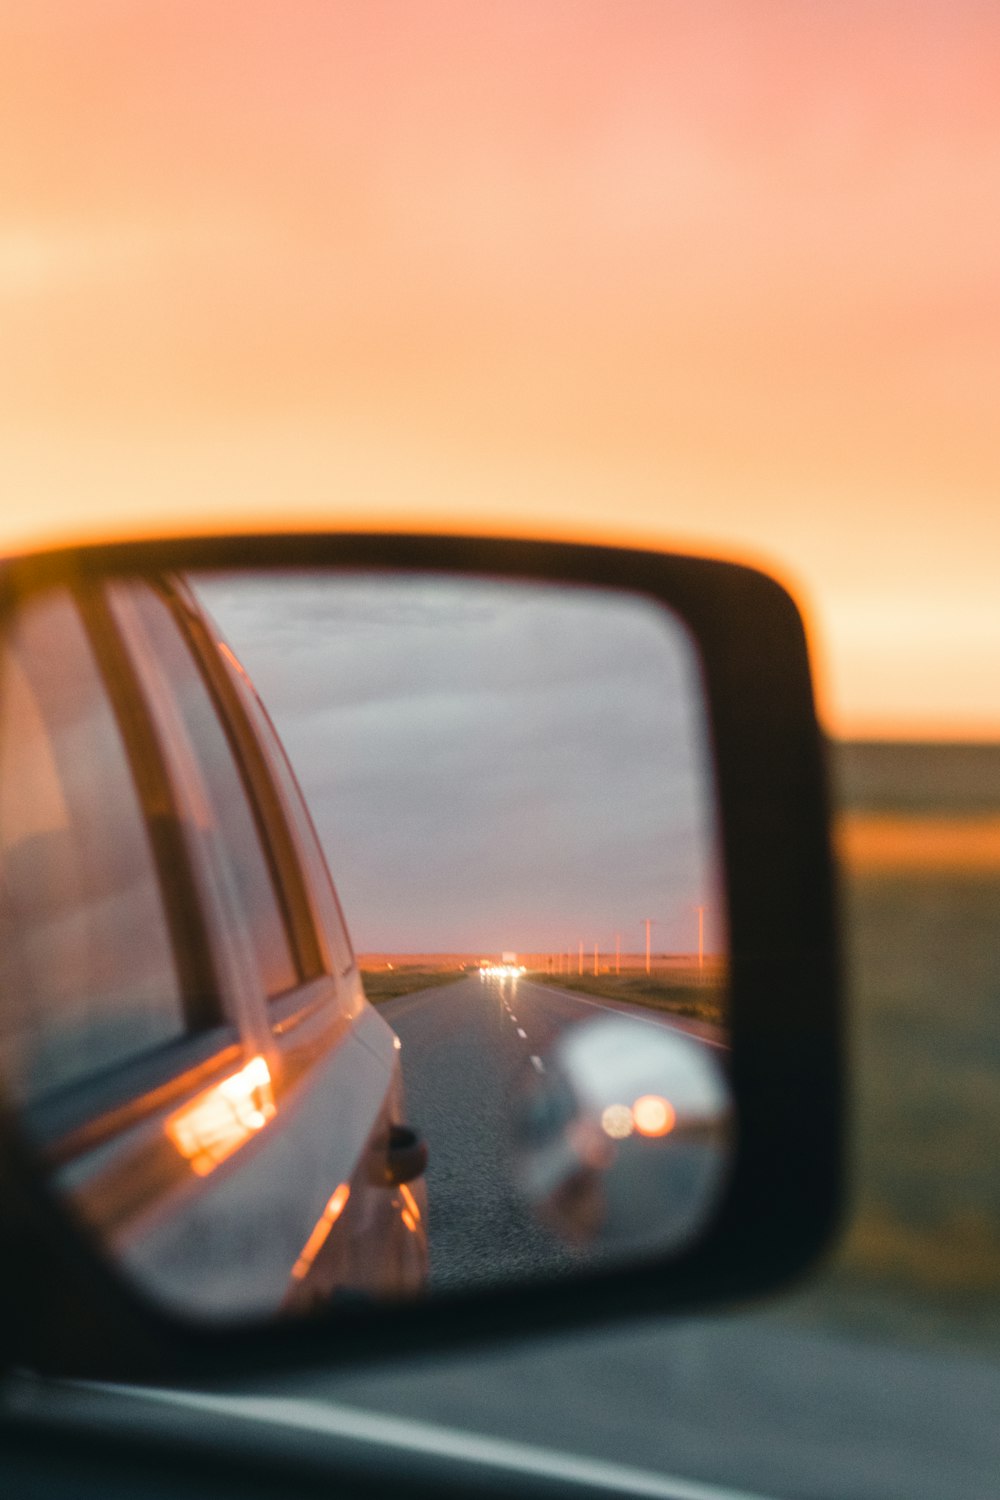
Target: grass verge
[
  {"x": 655, "y": 991},
  {"x": 388, "y": 984}
]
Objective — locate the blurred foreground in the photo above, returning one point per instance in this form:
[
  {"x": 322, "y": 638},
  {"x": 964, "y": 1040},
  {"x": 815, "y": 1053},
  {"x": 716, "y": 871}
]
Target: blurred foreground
[{"x": 881, "y": 1376}]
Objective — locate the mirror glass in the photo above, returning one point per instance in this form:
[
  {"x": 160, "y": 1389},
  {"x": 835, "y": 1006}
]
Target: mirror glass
[{"x": 361, "y": 935}]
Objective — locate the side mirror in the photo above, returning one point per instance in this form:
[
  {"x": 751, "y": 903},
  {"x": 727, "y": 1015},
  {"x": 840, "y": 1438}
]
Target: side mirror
[
  {"x": 624, "y": 1138},
  {"x": 574, "y": 1050}
]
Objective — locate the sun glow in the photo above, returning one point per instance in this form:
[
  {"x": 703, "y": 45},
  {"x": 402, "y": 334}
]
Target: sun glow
[{"x": 706, "y": 285}]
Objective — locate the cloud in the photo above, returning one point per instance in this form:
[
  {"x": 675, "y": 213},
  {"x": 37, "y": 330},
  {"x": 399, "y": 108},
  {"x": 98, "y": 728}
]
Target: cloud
[{"x": 488, "y": 764}]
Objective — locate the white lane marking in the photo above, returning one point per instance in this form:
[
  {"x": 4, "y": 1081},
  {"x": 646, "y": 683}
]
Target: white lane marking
[
  {"x": 513, "y": 1018},
  {"x": 537, "y": 1064},
  {"x": 414, "y": 1436},
  {"x": 522, "y": 1034},
  {"x": 617, "y": 1010}
]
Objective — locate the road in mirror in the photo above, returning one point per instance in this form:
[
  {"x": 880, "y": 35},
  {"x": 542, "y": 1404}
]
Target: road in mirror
[{"x": 494, "y": 1046}]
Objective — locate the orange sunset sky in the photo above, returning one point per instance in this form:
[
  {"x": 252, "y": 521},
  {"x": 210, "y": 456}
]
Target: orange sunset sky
[{"x": 724, "y": 276}]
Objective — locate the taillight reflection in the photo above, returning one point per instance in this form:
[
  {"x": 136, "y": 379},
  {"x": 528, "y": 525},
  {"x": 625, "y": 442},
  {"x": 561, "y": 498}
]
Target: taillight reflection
[
  {"x": 410, "y": 1213},
  {"x": 324, "y": 1224},
  {"x": 223, "y": 1118}
]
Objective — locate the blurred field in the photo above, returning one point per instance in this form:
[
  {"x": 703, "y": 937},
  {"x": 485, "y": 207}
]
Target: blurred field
[
  {"x": 918, "y": 779},
  {"x": 923, "y": 952}
]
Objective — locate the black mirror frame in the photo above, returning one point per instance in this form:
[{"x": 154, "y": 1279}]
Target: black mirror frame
[{"x": 68, "y": 1313}]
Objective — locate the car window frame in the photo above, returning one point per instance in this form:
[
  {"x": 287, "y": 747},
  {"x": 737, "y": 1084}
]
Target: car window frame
[
  {"x": 98, "y": 1111},
  {"x": 319, "y": 997},
  {"x": 301, "y": 826},
  {"x": 261, "y": 786},
  {"x": 94, "y": 1109}
]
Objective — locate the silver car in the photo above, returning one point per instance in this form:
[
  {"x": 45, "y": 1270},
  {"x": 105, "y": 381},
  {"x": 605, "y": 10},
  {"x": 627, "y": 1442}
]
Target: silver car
[{"x": 168, "y": 905}]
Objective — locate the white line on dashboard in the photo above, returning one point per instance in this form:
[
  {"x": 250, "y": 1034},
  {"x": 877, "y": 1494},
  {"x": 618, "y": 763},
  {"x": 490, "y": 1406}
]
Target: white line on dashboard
[{"x": 412, "y": 1436}]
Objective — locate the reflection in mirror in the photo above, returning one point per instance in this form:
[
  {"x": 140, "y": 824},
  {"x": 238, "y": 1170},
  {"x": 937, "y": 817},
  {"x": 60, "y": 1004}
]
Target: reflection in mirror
[
  {"x": 507, "y": 1060},
  {"x": 623, "y": 1135}
]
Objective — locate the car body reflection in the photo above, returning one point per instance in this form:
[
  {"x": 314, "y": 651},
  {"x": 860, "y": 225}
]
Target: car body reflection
[{"x": 184, "y": 1022}]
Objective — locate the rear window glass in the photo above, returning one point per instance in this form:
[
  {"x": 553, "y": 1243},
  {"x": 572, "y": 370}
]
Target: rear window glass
[
  {"x": 87, "y": 973},
  {"x": 227, "y": 821},
  {"x": 321, "y": 885}
]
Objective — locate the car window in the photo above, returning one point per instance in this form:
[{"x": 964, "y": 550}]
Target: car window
[
  {"x": 330, "y": 916},
  {"x": 78, "y": 877},
  {"x": 226, "y": 818}
]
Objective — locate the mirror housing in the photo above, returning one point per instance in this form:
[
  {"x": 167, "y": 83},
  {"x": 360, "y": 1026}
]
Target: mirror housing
[{"x": 69, "y": 1313}]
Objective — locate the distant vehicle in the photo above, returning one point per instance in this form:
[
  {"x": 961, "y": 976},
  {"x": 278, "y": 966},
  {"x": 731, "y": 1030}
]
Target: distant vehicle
[{"x": 185, "y": 1011}]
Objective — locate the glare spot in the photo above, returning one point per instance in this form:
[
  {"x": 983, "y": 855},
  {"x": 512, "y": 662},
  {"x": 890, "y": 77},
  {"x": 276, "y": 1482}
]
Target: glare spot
[
  {"x": 653, "y": 1115},
  {"x": 616, "y": 1121},
  {"x": 221, "y": 1119}
]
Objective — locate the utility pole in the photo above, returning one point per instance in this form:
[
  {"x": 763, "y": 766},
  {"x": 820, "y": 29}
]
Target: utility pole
[{"x": 649, "y": 922}]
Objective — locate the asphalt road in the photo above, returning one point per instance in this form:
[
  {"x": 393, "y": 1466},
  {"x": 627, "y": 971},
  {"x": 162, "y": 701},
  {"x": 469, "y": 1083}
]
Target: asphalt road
[{"x": 468, "y": 1048}]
